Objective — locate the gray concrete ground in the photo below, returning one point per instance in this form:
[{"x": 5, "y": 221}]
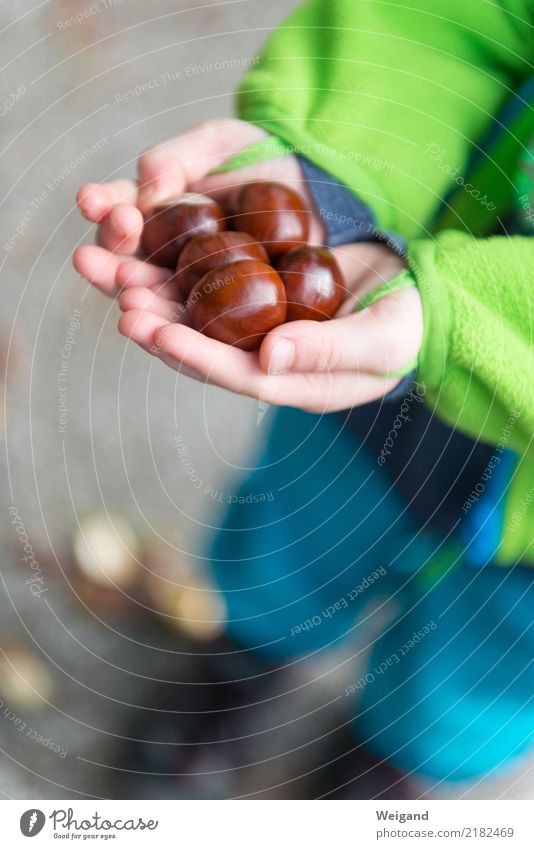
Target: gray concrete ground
[{"x": 66, "y": 118}]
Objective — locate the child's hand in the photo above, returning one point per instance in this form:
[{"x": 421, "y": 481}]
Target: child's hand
[
  {"x": 176, "y": 166},
  {"x": 317, "y": 366}
]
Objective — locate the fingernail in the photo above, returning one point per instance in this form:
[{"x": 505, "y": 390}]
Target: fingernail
[
  {"x": 282, "y": 356},
  {"x": 161, "y": 338},
  {"x": 92, "y": 209},
  {"x": 89, "y": 208}
]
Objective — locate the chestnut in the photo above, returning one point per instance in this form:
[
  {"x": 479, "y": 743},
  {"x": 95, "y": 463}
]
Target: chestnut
[
  {"x": 170, "y": 225},
  {"x": 182, "y": 595},
  {"x": 271, "y": 212},
  {"x": 107, "y": 551},
  {"x": 207, "y": 252},
  {"x": 238, "y": 303},
  {"x": 26, "y": 683},
  {"x": 313, "y": 281}
]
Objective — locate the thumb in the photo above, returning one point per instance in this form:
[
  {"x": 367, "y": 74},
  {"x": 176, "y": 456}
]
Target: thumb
[
  {"x": 383, "y": 338},
  {"x": 169, "y": 168}
]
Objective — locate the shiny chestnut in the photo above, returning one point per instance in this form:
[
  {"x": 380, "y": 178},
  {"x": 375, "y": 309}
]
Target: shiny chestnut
[
  {"x": 272, "y": 213},
  {"x": 314, "y": 283},
  {"x": 238, "y": 303},
  {"x": 208, "y": 252},
  {"x": 170, "y": 225}
]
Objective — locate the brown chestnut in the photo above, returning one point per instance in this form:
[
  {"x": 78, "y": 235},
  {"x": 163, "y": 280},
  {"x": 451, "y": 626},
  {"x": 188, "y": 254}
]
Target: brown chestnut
[
  {"x": 314, "y": 283},
  {"x": 238, "y": 303},
  {"x": 170, "y": 225},
  {"x": 207, "y": 252},
  {"x": 271, "y": 212}
]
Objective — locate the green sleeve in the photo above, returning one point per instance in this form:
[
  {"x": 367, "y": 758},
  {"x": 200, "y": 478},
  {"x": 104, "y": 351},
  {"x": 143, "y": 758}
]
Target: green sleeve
[
  {"x": 477, "y": 357},
  {"x": 369, "y": 90}
]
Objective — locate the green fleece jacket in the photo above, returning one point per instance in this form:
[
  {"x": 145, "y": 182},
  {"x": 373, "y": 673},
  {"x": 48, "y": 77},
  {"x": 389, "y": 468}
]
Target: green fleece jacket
[{"x": 392, "y": 99}]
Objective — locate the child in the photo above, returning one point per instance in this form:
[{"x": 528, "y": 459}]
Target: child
[{"x": 380, "y": 114}]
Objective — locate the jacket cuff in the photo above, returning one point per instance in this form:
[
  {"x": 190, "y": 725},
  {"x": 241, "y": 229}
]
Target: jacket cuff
[
  {"x": 434, "y": 351},
  {"x": 346, "y": 217}
]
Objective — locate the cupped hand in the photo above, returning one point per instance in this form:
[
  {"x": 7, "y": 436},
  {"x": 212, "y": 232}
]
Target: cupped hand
[
  {"x": 168, "y": 169},
  {"x": 316, "y": 366}
]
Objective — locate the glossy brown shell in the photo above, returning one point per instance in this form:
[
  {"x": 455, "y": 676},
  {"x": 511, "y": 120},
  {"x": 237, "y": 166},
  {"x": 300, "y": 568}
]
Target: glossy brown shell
[
  {"x": 238, "y": 303},
  {"x": 170, "y": 225},
  {"x": 208, "y": 252},
  {"x": 272, "y": 213},
  {"x": 314, "y": 284}
]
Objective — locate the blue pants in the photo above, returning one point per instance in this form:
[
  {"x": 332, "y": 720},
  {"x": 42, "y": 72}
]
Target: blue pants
[{"x": 315, "y": 533}]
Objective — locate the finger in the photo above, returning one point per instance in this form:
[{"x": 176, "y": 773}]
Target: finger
[
  {"x": 120, "y": 230},
  {"x": 170, "y": 168},
  {"x": 190, "y": 352},
  {"x": 98, "y": 266},
  {"x": 141, "y": 327},
  {"x": 385, "y": 337},
  {"x": 96, "y": 199},
  {"x": 135, "y": 272},
  {"x": 134, "y": 326},
  {"x": 220, "y": 364},
  {"x": 146, "y": 299},
  {"x": 214, "y": 361},
  {"x": 327, "y": 392},
  {"x": 305, "y": 346}
]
